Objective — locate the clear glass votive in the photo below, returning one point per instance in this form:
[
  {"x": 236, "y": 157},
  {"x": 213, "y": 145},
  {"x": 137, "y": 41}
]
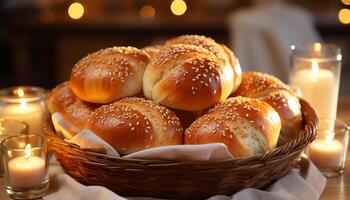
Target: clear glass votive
[
  {"x": 9, "y": 127},
  {"x": 328, "y": 151},
  {"x": 26, "y": 166},
  {"x": 24, "y": 104},
  {"x": 316, "y": 71}
]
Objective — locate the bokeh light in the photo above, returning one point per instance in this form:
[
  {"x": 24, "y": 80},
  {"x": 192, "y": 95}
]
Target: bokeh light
[
  {"x": 178, "y": 7},
  {"x": 76, "y": 10},
  {"x": 344, "y": 16},
  {"x": 346, "y": 2},
  {"x": 147, "y": 11}
]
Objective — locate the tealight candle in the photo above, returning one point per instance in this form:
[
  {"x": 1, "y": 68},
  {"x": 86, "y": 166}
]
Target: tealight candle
[
  {"x": 26, "y": 166},
  {"x": 316, "y": 72},
  {"x": 26, "y": 171},
  {"x": 24, "y": 104},
  {"x": 328, "y": 150},
  {"x": 326, "y": 153}
]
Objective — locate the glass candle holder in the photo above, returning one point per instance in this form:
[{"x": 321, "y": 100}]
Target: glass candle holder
[
  {"x": 26, "y": 166},
  {"x": 9, "y": 128},
  {"x": 328, "y": 151},
  {"x": 316, "y": 72},
  {"x": 24, "y": 104}
]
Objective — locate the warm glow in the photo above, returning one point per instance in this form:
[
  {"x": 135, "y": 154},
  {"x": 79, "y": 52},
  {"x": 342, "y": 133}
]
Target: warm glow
[
  {"x": 346, "y": 2},
  {"x": 28, "y": 151},
  {"x": 23, "y": 104},
  {"x": 147, "y": 11},
  {"x": 314, "y": 67},
  {"x": 344, "y": 16},
  {"x": 9, "y": 153},
  {"x": 339, "y": 57},
  {"x": 76, "y": 10},
  {"x": 317, "y": 47},
  {"x": 329, "y": 137},
  {"x": 178, "y": 7},
  {"x": 19, "y": 92}
]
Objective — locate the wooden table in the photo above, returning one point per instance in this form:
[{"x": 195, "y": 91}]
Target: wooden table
[{"x": 336, "y": 189}]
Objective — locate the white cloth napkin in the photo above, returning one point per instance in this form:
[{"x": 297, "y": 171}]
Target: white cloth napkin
[
  {"x": 306, "y": 183},
  {"x": 214, "y": 151},
  {"x": 88, "y": 140}
]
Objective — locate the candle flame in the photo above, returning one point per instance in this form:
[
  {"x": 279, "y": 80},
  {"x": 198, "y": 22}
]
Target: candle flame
[
  {"x": 28, "y": 151},
  {"x": 19, "y": 92}
]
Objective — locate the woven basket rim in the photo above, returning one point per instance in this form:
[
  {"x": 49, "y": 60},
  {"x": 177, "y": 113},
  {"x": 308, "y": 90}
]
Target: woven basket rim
[{"x": 289, "y": 149}]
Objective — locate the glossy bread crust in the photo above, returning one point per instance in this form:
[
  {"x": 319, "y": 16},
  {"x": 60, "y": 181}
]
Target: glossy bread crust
[
  {"x": 219, "y": 50},
  {"x": 63, "y": 100},
  {"x": 133, "y": 124},
  {"x": 246, "y": 126},
  {"x": 109, "y": 74},
  {"x": 187, "y": 77},
  {"x": 274, "y": 92}
]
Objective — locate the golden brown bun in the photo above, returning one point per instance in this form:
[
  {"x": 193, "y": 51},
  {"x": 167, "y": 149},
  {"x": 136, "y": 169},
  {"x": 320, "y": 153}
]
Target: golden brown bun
[
  {"x": 133, "y": 124},
  {"x": 152, "y": 50},
  {"x": 187, "y": 77},
  {"x": 246, "y": 126},
  {"x": 219, "y": 50},
  {"x": 62, "y": 99},
  {"x": 274, "y": 92},
  {"x": 109, "y": 74}
]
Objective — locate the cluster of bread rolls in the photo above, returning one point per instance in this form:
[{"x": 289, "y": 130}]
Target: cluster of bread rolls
[
  {"x": 274, "y": 92},
  {"x": 181, "y": 85}
]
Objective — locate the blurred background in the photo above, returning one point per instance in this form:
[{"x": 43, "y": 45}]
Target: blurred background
[{"x": 40, "y": 40}]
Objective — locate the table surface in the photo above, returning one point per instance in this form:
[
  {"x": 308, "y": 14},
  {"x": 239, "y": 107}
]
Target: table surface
[{"x": 336, "y": 189}]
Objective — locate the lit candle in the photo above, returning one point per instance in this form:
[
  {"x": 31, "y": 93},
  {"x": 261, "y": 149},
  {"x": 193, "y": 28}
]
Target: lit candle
[
  {"x": 326, "y": 153},
  {"x": 30, "y": 110},
  {"x": 26, "y": 171},
  {"x": 316, "y": 72},
  {"x": 320, "y": 88}
]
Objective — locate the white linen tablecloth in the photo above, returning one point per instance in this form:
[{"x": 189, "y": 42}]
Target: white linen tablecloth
[{"x": 304, "y": 183}]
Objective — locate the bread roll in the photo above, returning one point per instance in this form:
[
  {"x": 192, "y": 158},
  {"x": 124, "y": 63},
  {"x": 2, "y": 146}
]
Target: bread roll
[
  {"x": 109, "y": 74},
  {"x": 288, "y": 107},
  {"x": 274, "y": 92},
  {"x": 133, "y": 124},
  {"x": 219, "y": 50},
  {"x": 77, "y": 112},
  {"x": 187, "y": 77},
  {"x": 246, "y": 126}
]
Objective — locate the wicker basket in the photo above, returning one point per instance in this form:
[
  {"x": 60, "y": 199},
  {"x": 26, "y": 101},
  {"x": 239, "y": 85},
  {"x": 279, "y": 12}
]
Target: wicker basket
[{"x": 182, "y": 180}]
